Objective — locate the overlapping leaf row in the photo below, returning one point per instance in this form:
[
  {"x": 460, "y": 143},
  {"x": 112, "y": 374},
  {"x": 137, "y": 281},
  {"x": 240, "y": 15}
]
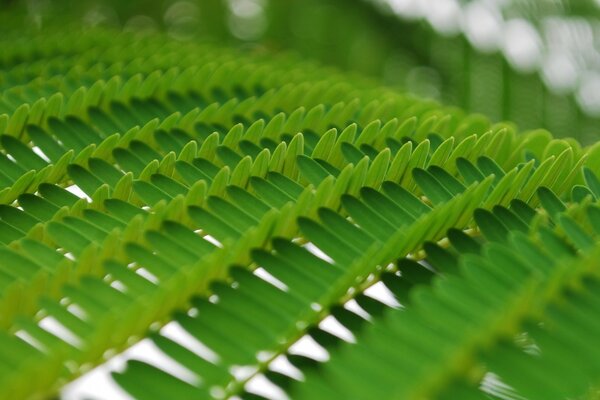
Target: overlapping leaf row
[
  {"x": 168, "y": 89},
  {"x": 24, "y": 284},
  {"x": 342, "y": 241},
  {"x": 75, "y": 234},
  {"x": 45, "y": 211},
  {"x": 199, "y": 186},
  {"x": 102, "y": 55},
  {"x": 216, "y": 233},
  {"x": 485, "y": 275},
  {"x": 517, "y": 220},
  {"x": 55, "y": 136},
  {"x": 313, "y": 286},
  {"x": 475, "y": 81},
  {"x": 148, "y": 68},
  {"x": 502, "y": 290}
]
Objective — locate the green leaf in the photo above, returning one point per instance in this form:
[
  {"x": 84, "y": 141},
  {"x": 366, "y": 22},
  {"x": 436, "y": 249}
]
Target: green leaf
[
  {"x": 592, "y": 182},
  {"x": 490, "y": 225},
  {"x": 432, "y": 188},
  {"x": 551, "y": 203}
]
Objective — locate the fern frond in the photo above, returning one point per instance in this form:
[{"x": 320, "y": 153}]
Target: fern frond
[
  {"x": 248, "y": 198},
  {"x": 513, "y": 286}
]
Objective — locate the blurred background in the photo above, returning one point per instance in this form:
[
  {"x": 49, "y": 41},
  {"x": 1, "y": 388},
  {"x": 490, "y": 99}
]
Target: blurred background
[{"x": 534, "y": 62}]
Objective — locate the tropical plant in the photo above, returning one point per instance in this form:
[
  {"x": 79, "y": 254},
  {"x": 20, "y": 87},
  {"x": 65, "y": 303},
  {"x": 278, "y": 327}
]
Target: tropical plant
[{"x": 249, "y": 197}]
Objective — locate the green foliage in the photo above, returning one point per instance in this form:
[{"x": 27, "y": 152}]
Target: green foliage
[
  {"x": 206, "y": 169},
  {"x": 406, "y": 53}
]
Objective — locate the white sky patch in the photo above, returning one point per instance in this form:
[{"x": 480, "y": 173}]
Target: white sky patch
[
  {"x": 353, "y": 306},
  {"x": 144, "y": 273},
  {"x": 76, "y": 190},
  {"x": 148, "y": 352},
  {"x": 174, "y": 331},
  {"x": 76, "y": 310},
  {"x": 26, "y": 337},
  {"x": 55, "y": 327},
  {"x": 493, "y": 385},
  {"x": 212, "y": 240},
  {"x": 381, "y": 293},
  {"x": 282, "y": 365},
  {"x": 332, "y": 325},
  {"x": 40, "y": 153},
  {"x": 243, "y": 372},
  {"x": 318, "y": 252},
  {"x": 308, "y": 347},
  {"x": 260, "y": 385},
  {"x": 98, "y": 384},
  {"x": 266, "y": 276},
  {"x": 118, "y": 285}
]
